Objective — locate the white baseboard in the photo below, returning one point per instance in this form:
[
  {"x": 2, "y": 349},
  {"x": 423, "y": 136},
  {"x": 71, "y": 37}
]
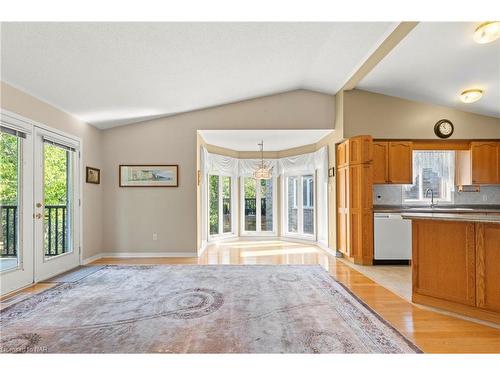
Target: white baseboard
[
  {"x": 327, "y": 249},
  {"x": 91, "y": 259},
  {"x": 112, "y": 254},
  {"x": 137, "y": 254}
]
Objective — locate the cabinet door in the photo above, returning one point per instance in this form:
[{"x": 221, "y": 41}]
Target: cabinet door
[
  {"x": 361, "y": 213},
  {"x": 484, "y": 158},
  {"x": 488, "y": 266},
  {"x": 444, "y": 260},
  {"x": 341, "y": 155},
  {"x": 400, "y": 163},
  {"x": 342, "y": 211},
  {"x": 359, "y": 149},
  {"x": 380, "y": 162}
]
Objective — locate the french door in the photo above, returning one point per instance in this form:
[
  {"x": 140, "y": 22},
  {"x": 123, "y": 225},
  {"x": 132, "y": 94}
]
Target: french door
[
  {"x": 39, "y": 203},
  {"x": 16, "y": 207},
  {"x": 258, "y": 206},
  {"x": 300, "y": 217},
  {"x": 57, "y": 204}
]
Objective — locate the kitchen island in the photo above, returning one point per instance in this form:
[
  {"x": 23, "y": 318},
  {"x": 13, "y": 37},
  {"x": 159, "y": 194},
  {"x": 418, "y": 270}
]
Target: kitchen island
[{"x": 456, "y": 262}]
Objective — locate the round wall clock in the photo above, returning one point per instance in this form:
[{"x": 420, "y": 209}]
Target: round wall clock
[{"x": 443, "y": 128}]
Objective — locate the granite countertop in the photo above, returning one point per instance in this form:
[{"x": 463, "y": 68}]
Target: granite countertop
[
  {"x": 469, "y": 209},
  {"x": 482, "y": 218}
]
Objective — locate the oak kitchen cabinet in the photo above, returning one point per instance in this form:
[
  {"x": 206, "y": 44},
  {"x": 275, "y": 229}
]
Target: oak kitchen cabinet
[
  {"x": 455, "y": 266},
  {"x": 354, "y": 199},
  {"x": 392, "y": 162},
  {"x": 485, "y": 162},
  {"x": 478, "y": 165}
]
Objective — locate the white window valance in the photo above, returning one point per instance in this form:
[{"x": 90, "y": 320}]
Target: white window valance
[
  {"x": 216, "y": 164},
  {"x": 226, "y": 165}
]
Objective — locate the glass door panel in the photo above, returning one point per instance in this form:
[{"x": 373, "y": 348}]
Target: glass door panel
[
  {"x": 220, "y": 208},
  {"x": 250, "y": 199},
  {"x": 292, "y": 203},
  {"x": 308, "y": 204},
  {"x": 213, "y": 202},
  {"x": 58, "y": 171},
  {"x": 266, "y": 205},
  {"x": 10, "y": 173},
  {"x": 226, "y": 205}
]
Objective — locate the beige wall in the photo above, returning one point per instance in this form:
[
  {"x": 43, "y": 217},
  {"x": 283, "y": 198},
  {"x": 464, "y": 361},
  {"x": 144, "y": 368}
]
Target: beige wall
[
  {"x": 26, "y": 105},
  {"x": 388, "y": 117},
  {"x": 131, "y": 215}
]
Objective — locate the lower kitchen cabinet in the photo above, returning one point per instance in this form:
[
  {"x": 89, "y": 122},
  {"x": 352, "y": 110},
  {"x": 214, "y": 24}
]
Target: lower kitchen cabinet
[
  {"x": 443, "y": 264},
  {"x": 456, "y": 266},
  {"x": 488, "y": 266}
]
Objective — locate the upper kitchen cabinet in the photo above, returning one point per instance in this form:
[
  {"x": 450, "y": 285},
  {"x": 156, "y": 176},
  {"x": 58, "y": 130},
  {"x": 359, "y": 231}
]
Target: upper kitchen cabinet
[
  {"x": 341, "y": 155},
  {"x": 400, "y": 163},
  {"x": 380, "y": 162},
  {"x": 392, "y": 162},
  {"x": 359, "y": 149},
  {"x": 485, "y": 162}
]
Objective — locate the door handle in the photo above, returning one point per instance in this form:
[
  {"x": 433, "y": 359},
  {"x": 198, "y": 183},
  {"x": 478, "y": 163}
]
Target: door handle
[
  {"x": 38, "y": 205},
  {"x": 38, "y": 216}
]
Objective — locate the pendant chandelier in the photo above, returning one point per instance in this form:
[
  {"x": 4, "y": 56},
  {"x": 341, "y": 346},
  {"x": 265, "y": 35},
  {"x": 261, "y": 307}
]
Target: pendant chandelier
[{"x": 263, "y": 172}]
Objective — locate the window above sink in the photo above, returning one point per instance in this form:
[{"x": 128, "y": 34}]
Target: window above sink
[{"x": 433, "y": 170}]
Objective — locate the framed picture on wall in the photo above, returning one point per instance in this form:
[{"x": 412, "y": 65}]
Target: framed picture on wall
[
  {"x": 93, "y": 175},
  {"x": 149, "y": 175}
]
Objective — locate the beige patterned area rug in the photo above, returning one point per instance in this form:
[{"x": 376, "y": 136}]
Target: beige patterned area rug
[{"x": 198, "y": 309}]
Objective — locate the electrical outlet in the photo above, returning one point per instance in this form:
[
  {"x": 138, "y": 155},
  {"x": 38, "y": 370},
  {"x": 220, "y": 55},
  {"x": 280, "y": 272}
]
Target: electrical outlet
[
  {"x": 155, "y": 236},
  {"x": 485, "y": 197}
]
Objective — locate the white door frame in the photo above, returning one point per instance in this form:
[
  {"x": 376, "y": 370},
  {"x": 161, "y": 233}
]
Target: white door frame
[
  {"x": 258, "y": 232},
  {"x": 9, "y": 282}
]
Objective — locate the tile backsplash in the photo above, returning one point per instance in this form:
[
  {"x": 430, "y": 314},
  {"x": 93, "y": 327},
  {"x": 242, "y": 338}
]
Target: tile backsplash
[{"x": 392, "y": 195}]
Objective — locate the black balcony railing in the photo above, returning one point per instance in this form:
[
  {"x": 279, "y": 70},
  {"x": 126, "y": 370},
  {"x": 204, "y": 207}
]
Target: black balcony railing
[
  {"x": 56, "y": 230},
  {"x": 55, "y": 236},
  {"x": 8, "y": 241}
]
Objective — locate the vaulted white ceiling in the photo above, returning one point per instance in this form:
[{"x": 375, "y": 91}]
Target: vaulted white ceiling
[
  {"x": 274, "y": 140},
  {"x": 110, "y": 74},
  {"x": 435, "y": 63}
]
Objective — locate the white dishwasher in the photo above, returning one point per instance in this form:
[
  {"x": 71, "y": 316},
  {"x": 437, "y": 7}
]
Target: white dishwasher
[{"x": 392, "y": 239}]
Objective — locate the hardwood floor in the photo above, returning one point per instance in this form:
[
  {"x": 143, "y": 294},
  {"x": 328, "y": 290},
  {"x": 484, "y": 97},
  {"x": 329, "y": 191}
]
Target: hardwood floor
[{"x": 432, "y": 331}]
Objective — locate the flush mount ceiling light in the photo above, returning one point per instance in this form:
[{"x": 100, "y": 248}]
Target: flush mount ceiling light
[
  {"x": 263, "y": 172},
  {"x": 487, "y": 32},
  {"x": 471, "y": 96}
]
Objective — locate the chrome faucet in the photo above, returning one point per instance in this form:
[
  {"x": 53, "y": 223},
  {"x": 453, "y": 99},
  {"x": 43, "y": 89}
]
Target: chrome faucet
[{"x": 432, "y": 196}]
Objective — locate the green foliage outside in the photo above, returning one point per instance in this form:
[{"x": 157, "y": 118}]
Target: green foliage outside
[
  {"x": 8, "y": 169},
  {"x": 55, "y": 175},
  {"x": 213, "y": 189},
  {"x": 250, "y": 187},
  {"x": 54, "y": 172}
]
